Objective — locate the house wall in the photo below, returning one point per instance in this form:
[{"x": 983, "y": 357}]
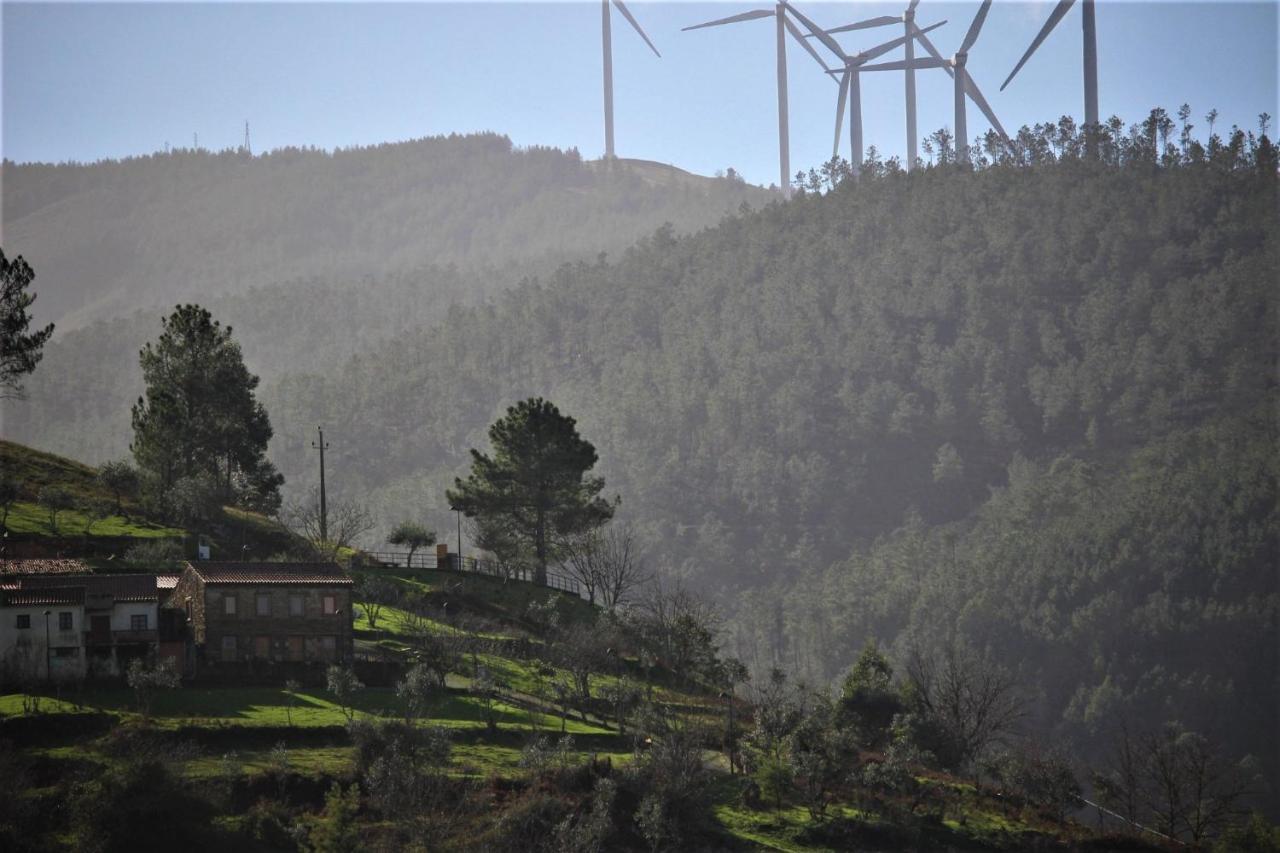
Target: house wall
[
  {"x": 278, "y": 625},
  {"x": 190, "y": 589},
  {"x": 124, "y": 611},
  {"x": 23, "y": 651}
]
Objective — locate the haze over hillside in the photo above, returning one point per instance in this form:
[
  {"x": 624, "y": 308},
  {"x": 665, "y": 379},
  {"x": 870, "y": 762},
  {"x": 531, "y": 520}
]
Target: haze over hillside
[
  {"x": 1043, "y": 424},
  {"x": 111, "y": 237}
]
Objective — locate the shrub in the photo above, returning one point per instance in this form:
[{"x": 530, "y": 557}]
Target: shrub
[
  {"x": 334, "y": 830},
  {"x": 138, "y": 806}
]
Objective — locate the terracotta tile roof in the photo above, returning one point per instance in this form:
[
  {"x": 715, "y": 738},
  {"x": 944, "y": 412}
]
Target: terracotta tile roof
[
  {"x": 43, "y": 567},
  {"x": 312, "y": 574},
  {"x": 166, "y": 581},
  {"x": 141, "y": 587},
  {"x": 50, "y": 595}
]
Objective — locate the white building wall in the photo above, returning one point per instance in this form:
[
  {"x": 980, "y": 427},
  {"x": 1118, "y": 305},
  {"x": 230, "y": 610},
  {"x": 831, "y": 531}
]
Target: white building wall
[
  {"x": 124, "y": 611},
  {"x": 23, "y": 650}
]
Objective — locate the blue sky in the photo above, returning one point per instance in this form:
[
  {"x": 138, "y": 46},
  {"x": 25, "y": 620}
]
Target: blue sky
[{"x": 88, "y": 81}]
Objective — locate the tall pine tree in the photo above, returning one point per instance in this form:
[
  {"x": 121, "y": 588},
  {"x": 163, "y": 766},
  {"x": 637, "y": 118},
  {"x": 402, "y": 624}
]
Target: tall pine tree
[{"x": 199, "y": 417}]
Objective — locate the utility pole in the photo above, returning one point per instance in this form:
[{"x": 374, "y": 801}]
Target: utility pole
[{"x": 321, "y": 446}]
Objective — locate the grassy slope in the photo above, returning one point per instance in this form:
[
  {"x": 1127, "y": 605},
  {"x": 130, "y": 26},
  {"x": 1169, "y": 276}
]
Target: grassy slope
[
  {"x": 34, "y": 470},
  {"x": 250, "y": 724}
]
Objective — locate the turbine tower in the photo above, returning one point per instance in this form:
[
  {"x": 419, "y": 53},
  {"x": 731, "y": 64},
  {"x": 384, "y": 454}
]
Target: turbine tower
[
  {"x": 1090, "y": 34},
  {"x": 606, "y": 38},
  {"x": 784, "y": 26},
  {"x": 850, "y": 84},
  {"x": 964, "y": 83}
]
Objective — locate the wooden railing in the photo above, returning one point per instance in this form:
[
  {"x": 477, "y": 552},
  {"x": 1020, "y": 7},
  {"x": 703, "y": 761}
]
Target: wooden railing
[{"x": 427, "y": 560}]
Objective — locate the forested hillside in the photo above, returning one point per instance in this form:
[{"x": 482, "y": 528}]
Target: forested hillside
[
  {"x": 111, "y": 237},
  {"x": 1032, "y": 406}
]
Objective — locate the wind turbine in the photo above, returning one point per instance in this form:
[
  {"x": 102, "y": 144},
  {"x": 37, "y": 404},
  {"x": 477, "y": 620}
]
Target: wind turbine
[
  {"x": 908, "y": 21},
  {"x": 784, "y": 26},
  {"x": 606, "y": 38},
  {"x": 1090, "y": 33},
  {"x": 850, "y": 84},
  {"x": 964, "y": 84}
]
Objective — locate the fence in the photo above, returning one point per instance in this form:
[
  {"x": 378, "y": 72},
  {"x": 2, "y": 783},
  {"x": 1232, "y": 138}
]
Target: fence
[{"x": 454, "y": 563}]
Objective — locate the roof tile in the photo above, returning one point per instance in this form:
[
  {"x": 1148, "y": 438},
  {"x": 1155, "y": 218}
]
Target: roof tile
[{"x": 311, "y": 574}]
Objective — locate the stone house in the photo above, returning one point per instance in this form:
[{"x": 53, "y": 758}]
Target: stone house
[{"x": 264, "y": 612}]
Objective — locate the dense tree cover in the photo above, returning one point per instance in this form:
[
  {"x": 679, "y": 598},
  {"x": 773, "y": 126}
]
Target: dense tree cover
[
  {"x": 201, "y": 223},
  {"x": 1032, "y": 405}
]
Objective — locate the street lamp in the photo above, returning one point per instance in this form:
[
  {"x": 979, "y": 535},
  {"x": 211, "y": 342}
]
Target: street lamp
[{"x": 48, "y": 672}]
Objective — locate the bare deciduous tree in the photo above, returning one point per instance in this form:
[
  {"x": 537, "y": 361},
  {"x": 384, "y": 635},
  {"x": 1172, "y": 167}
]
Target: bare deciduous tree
[
  {"x": 374, "y": 592},
  {"x": 346, "y": 522},
  {"x": 974, "y": 699},
  {"x": 680, "y": 627},
  {"x": 1191, "y": 790},
  {"x": 607, "y": 563}
]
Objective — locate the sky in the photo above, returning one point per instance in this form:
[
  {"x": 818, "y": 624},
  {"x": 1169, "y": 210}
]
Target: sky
[{"x": 87, "y": 81}]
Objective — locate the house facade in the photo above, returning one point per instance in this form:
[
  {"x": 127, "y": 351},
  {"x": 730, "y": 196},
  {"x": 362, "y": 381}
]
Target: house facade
[
  {"x": 97, "y": 623},
  {"x": 235, "y": 612},
  {"x": 41, "y": 633}
]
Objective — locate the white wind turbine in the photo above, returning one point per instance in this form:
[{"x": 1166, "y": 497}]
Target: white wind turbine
[
  {"x": 908, "y": 21},
  {"x": 1090, "y": 33},
  {"x": 964, "y": 83},
  {"x": 606, "y": 37},
  {"x": 784, "y": 26},
  {"x": 850, "y": 84}
]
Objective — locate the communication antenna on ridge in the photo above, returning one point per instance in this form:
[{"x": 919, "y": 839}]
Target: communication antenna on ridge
[
  {"x": 195, "y": 141},
  {"x": 247, "y": 149}
]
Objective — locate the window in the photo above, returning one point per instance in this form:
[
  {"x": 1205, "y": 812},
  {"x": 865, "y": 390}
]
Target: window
[
  {"x": 24, "y": 620},
  {"x": 138, "y": 622},
  {"x": 262, "y": 647},
  {"x": 66, "y": 652},
  {"x": 330, "y": 605},
  {"x": 328, "y": 648},
  {"x": 229, "y": 604},
  {"x": 229, "y": 647},
  {"x": 295, "y": 605},
  {"x": 64, "y": 621},
  {"x": 295, "y": 648},
  {"x": 264, "y": 604}
]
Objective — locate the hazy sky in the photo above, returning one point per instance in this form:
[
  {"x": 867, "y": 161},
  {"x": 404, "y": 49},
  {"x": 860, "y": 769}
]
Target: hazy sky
[{"x": 87, "y": 81}]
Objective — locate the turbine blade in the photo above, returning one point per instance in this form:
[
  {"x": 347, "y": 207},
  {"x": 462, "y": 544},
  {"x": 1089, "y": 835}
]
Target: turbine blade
[
  {"x": 975, "y": 95},
  {"x": 636, "y": 26},
  {"x": 840, "y": 102},
  {"x": 880, "y": 50},
  {"x": 903, "y": 65},
  {"x": 882, "y": 21},
  {"x": 1056, "y": 15},
  {"x": 796, "y": 34},
  {"x": 733, "y": 19},
  {"x": 933, "y": 51},
  {"x": 818, "y": 33},
  {"x": 976, "y": 26},
  {"x": 911, "y": 7}
]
